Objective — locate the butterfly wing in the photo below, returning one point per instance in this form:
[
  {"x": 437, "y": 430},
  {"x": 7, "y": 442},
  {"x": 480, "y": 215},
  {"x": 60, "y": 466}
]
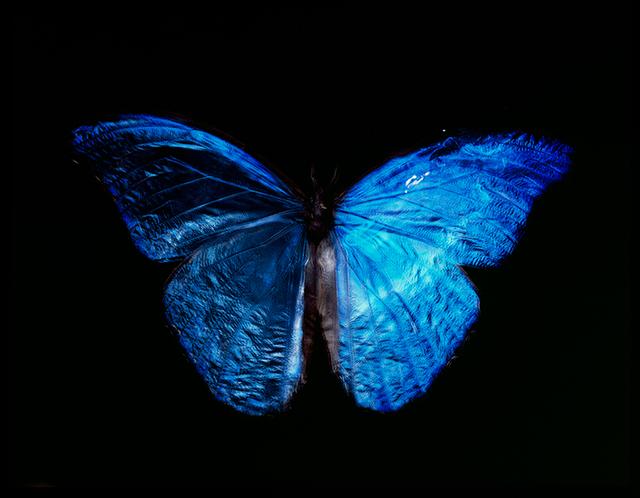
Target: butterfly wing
[
  {"x": 236, "y": 301},
  {"x": 402, "y": 310},
  {"x": 175, "y": 185},
  {"x": 401, "y": 235},
  {"x": 238, "y": 306}
]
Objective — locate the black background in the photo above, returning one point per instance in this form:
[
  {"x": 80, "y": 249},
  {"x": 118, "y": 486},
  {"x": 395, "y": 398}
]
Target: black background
[{"x": 99, "y": 391}]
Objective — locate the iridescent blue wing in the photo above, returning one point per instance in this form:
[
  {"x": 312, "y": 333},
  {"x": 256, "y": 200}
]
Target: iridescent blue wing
[
  {"x": 402, "y": 309},
  {"x": 238, "y": 307},
  {"x": 176, "y": 185},
  {"x": 401, "y": 235},
  {"x": 236, "y": 301}
]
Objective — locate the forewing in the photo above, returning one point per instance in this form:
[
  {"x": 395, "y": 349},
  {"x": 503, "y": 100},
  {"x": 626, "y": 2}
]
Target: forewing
[
  {"x": 467, "y": 197},
  {"x": 176, "y": 186},
  {"x": 237, "y": 304}
]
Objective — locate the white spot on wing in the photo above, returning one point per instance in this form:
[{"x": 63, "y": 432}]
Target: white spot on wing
[{"x": 415, "y": 180}]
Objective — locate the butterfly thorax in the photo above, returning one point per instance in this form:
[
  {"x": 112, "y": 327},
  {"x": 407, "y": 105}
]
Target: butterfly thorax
[{"x": 318, "y": 214}]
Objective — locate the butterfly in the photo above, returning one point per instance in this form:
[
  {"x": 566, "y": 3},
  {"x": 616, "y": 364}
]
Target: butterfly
[{"x": 383, "y": 260}]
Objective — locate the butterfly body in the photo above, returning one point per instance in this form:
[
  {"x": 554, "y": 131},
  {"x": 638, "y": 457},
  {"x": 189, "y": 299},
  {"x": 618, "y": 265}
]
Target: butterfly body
[
  {"x": 378, "y": 269},
  {"x": 321, "y": 318}
]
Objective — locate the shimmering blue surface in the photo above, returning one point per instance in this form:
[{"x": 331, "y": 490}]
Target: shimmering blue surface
[
  {"x": 237, "y": 305},
  {"x": 175, "y": 186},
  {"x": 402, "y": 308},
  {"x": 402, "y": 232}
]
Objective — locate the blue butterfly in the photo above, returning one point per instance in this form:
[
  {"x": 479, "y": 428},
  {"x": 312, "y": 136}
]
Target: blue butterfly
[{"x": 383, "y": 260}]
